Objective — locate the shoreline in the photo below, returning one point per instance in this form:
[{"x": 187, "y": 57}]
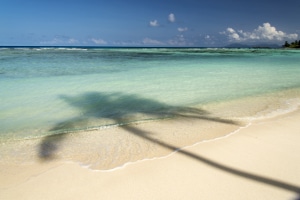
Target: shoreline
[
  {"x": 117, "y": 146},
  {"x": 260, "y": 157}
]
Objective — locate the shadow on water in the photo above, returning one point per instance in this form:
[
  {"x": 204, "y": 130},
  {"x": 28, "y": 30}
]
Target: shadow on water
[{"x": 118, "y": 107}]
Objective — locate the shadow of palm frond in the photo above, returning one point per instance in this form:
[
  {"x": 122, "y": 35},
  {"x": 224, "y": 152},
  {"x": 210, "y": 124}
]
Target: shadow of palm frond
[{"x": 117, "y": 108}]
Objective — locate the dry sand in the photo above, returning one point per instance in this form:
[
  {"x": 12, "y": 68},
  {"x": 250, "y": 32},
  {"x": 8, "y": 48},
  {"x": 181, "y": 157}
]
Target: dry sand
[{"x": 261, "y": 161}]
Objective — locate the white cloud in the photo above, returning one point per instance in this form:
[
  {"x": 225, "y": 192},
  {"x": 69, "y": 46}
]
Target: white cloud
[
  {"x": 230, "y": 30},
  {"x": 207, "y": 37},
  {"x": 72, "y": 41},
  {"x": 232, "y": 34},
  {"x": 149, "y": 41},
  {"x": 261, "y": 33},
  {"x": 54, "y": 41},
  {"x": 182, "y": 29},
  {"x": 99, "y": 41},
  {"x": 154, "y": 23},
  {"x": 269, "y": 32},
  {"x": 171, "y": 17}
]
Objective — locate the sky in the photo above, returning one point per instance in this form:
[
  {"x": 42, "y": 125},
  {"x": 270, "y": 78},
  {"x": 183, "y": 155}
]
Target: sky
[{"x": 182, "y": 23}]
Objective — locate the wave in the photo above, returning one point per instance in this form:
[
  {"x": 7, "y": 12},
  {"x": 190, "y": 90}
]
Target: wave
[{"x": 36, "y": 48}]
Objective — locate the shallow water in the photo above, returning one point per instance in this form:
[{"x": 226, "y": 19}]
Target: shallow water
[{"x": 50, "y": 90}]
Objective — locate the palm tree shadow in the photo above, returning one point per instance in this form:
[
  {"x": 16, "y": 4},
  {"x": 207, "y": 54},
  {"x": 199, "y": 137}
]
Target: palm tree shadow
[
  {"x": 114, "y": 108},
  {"x": 118, "y": 107}
]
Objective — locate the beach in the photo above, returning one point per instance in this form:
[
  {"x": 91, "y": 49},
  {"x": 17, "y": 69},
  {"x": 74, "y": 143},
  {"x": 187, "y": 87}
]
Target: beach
[
  {"x": 149, "y": 123},
  {"x": 259, "y": 161}
]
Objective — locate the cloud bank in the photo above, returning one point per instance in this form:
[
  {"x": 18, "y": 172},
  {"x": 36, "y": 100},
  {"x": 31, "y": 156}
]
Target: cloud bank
[
  {"x": 149, "y": 41},
  {"x": 98, "y": 41},
  {"x": 60, "y": 40},
  {"x": 266, "y": 32}
]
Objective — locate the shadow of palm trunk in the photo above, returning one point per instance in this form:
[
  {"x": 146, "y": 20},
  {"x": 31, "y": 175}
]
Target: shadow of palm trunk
[{"x": 246, "y": 175}]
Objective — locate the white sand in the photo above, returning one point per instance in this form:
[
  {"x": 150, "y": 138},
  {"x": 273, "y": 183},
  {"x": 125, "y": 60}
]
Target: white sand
[{"x": 261, "y": 161}]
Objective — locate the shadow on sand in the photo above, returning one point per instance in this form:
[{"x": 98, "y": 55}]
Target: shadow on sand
[{"x": 118, "y": 107}]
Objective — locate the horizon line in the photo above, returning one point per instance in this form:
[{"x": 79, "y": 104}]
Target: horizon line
[{"x": 148, "y": 47}]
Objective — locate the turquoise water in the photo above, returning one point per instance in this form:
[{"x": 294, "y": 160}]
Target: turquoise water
[{"x": 46, "y": 91}]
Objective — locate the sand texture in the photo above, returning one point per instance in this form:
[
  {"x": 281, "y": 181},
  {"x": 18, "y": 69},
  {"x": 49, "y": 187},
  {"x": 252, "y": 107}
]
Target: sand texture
[{"x": 260, "y": 161}]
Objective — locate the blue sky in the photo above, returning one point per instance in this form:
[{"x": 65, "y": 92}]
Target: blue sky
[{"x": 209, "y": 23}]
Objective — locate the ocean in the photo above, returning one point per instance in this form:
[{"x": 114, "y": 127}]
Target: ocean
[{"x": 52, "y": 91}]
